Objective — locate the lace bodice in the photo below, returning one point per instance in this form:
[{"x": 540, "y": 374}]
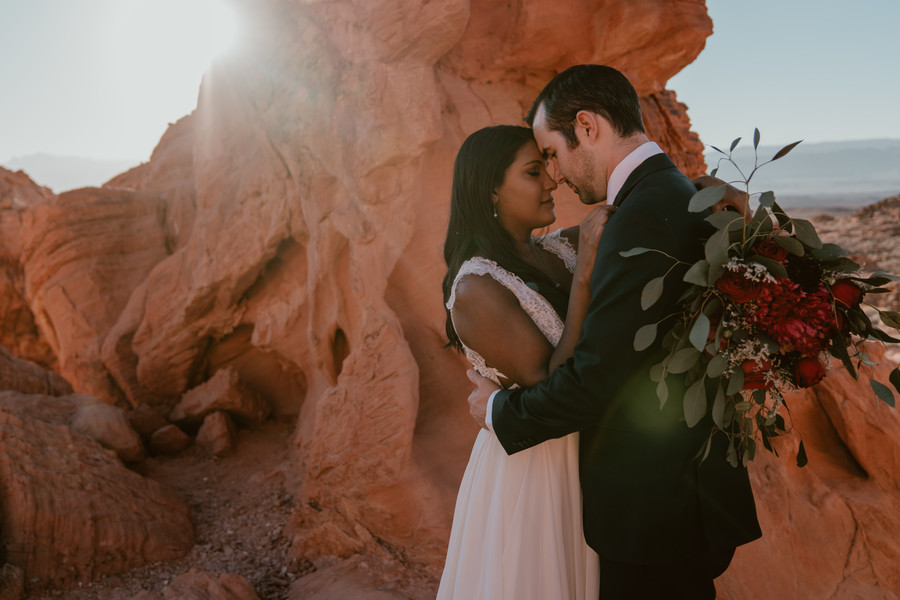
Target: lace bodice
[{"x": 535, "y": 305}]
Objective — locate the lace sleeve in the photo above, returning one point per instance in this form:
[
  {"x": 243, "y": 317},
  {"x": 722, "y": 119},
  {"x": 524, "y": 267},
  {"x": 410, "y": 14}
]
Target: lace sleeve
[{"x": 557, "y": 244}]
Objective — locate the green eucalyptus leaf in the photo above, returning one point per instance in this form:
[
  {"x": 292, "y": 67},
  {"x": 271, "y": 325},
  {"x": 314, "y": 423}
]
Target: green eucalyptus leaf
[
  {"x": 890, "y": 318},
  {"x": 705, "y": 454},
  {"x": 806, "y": 233},
  {"x": 651, "y": 292},
  {"x": 785, "y": 150},
  {"x": 658, "y": 371},
  {"x": 734, "y": 144},
  {"x": 716, "y": 365},
  {"x": 882, "y": 391},
  {"x": 767, "y": 199},
  {"x": 791, "y": 244},
  {"x": 700, "y": 332},
  {"x": 633, "y": 252},
  {"x": 706, "y": 197},
  {"x": 839, "y": 350},
  {"x": 731, "y": 456},
  {"x": 713, "y": 172},
  {"x": 829, "y": 252},
  {"x": 876, "y": 279},
  {"x": 718, "y": 409},
  {"x": 801, "y": 455},
  {"x": 683, "y": 360},
  {"x": 695, "y": 403},
  {"x": 698, "y": 274},
  {"x": 725, "y": 219},
  {"x": 749, "y": 450},
  {"x": 756, "y": 138},
  {"x": 716, "y": 244},
  {"x": 845, "y": 265},
  {"x": 662, "y": 392},
  {"x": 735, "y": 382},
  {"x": 895, "y": 379},
  {"x": 644, "y": 337},
  {"x": 717, "y": 267},
  {"x": 717, "y": 150},
  {"x": 881, "y": 336}
]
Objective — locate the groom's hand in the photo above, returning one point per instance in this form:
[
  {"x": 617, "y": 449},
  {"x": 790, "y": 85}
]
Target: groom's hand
[
  {"x": 479, "y": 397},
  {"x": 734, "y": 199}
]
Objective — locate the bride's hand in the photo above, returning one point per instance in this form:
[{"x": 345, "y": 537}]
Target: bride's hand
[{"x": 589, "y": 232}]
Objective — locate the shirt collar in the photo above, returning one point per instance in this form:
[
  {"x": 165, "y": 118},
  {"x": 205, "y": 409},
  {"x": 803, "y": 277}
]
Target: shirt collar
[{"x": 629, "y": 164}]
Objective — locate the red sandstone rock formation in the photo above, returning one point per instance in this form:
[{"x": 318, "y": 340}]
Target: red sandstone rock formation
[
  {"x": 71, "y": 511},
  {"x": 290, "y": 230}
]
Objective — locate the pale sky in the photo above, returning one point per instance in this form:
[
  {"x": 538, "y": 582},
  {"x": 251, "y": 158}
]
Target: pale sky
[
  {"x": 103, "y": 78},
  {"x": 816, "y": 70}
]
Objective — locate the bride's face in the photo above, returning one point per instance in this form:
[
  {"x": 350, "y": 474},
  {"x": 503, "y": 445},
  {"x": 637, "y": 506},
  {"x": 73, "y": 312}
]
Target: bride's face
[{"x": 524, "y": 200}]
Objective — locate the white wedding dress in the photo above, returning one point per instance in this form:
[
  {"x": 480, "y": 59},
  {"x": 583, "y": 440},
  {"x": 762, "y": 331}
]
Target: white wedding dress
[{"x": 516, "y": 531}]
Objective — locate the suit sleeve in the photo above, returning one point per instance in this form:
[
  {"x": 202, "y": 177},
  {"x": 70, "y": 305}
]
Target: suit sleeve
[{"x": 583, "y": 391}]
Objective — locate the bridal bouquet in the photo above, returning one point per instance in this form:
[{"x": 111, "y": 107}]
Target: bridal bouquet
[{"x": 766, "y": 308}]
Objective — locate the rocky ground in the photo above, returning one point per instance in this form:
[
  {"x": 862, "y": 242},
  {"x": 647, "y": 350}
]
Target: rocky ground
[{"x": 240, "y": 508}]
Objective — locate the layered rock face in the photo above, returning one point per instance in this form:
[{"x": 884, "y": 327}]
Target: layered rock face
[{"x": 289, "y": 233}]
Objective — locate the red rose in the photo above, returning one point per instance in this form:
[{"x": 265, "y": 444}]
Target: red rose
[
  {"x": 770, "y": 249},
  {"x": 847, "y": 293},
  {"x": 808, "y": 371},
  {"x": 755, "y": 375},
  {"x": 737, "y": 287}
]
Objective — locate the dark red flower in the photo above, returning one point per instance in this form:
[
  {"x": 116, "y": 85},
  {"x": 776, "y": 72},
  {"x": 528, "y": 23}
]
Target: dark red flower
[
  {"x": 769, "y": 248},
  {"x": 737, "y": 287},
  {"x": 799, "y": 321},
  {"x": 847, "y": 293},
  {"x": 755, "y": 375},
  {"x": 808, "y": 371}
]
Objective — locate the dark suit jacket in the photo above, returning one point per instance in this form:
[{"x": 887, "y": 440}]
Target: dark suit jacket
[{"x": 647, "y": 498}]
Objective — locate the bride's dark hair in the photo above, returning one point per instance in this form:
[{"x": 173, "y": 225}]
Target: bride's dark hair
[{"x": 480, "y": 167}]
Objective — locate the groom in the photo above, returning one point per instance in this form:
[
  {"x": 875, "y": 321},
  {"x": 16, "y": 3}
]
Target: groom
[{"x": 664, "y": 523}]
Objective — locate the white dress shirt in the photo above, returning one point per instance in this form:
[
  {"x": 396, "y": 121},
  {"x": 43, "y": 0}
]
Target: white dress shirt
[{"x": 613, "y": 187}]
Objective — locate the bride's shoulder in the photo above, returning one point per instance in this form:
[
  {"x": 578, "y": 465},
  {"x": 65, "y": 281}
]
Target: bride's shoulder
[{"x": 476, "y": 289}]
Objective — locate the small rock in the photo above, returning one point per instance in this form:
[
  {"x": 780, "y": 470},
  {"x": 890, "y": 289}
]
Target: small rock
[
  {"x": 108, "y": 426},
  {"x": 147, "y": 419},
  {"x": 169, "y": 440},
  {"x": 222, "y": 392},
  {"x": 216, "y": 435}
]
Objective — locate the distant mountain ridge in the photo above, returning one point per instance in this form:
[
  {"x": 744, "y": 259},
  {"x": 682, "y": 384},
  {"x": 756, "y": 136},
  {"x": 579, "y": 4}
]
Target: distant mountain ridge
[
  {"x": 851, "y": 173},
  {"x": 62, "y": 173}
]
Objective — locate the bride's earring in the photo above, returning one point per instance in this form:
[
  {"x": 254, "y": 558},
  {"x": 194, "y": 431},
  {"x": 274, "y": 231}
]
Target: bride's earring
[{"x": 495, "y": 210}]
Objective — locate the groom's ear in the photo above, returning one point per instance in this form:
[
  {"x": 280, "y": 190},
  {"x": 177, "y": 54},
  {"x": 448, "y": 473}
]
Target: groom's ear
[{"x": 587, "y": 126}]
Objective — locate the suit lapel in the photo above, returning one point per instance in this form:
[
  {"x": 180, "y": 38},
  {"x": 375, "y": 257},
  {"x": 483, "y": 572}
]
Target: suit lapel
[{"x": 657, "y": 162}]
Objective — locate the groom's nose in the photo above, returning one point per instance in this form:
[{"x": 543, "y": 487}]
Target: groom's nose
[{"x": 553, "y": 170}]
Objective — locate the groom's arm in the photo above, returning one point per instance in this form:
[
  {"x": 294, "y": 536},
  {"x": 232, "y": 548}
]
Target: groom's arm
[{"x": 581, "y": 392}]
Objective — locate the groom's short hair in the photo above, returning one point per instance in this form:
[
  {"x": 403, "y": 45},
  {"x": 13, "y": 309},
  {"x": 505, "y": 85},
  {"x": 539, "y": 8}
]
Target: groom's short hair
[{"x": 597, "y": 88}]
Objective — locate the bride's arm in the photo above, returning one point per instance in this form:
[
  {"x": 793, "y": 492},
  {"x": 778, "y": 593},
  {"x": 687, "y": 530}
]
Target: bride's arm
[
  {"x": 489, "y": 319},
  {"x": 588, "y": 235}
]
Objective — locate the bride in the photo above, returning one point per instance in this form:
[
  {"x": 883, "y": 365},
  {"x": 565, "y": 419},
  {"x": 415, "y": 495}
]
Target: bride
[{"x": 515, "y": 305}]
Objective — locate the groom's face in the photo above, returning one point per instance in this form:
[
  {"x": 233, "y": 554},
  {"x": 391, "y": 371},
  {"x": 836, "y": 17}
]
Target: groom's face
[{"x": 572, "y": 166}]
